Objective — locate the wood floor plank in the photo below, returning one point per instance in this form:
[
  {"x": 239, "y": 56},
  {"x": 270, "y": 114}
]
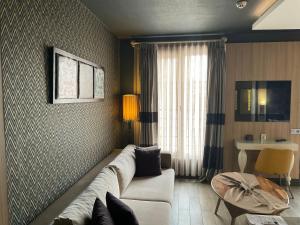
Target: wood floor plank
[{"x": 194, "y": 204}]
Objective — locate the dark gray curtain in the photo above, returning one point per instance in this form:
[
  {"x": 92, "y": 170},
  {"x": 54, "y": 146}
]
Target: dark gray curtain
[
  {"x": 148, "y": 98},
  {"x": 213, "y": 150}
]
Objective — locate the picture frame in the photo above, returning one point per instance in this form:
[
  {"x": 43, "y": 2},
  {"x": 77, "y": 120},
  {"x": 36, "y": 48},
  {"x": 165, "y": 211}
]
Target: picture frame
[{"x": 74, "y": 80}]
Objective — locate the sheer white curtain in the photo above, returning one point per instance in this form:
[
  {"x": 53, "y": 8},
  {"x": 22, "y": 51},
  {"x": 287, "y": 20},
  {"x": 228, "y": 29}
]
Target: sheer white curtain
[{"x": 182, "y": 92}]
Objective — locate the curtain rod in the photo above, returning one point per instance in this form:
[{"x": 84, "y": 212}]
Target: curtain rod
[{"x": 134, "y": 43}]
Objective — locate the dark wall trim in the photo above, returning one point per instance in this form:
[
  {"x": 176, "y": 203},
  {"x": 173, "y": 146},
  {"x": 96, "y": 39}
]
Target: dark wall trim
[
  {"x": 264, "y": 36},
  {"x": 232, "y": 37},
  {"x": 3, "y": 183},
  {"x": 294, "y": 182},
  {"x": 126, "y": 66}
]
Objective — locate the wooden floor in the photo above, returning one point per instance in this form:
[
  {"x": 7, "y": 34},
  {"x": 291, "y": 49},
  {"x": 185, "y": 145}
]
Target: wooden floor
[{"x": 195, "y": 202}]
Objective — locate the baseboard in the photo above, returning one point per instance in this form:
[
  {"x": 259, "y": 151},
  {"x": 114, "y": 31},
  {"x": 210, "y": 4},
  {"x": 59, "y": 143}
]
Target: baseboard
[
  {"x": 187, "y": 177},
  {"x": 294, "y": 182}
]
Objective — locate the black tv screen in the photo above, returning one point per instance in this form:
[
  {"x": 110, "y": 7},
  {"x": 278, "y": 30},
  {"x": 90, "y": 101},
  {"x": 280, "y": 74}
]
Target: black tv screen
[{"x": 264, "y": 101}]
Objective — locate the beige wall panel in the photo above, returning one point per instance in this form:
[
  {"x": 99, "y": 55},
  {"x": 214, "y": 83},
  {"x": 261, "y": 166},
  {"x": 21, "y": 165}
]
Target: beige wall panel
[{"x": 261, "y": 61}]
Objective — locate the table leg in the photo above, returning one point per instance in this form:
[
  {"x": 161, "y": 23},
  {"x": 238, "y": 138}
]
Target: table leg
[
  {"x": 242, "y": 160},
  {"x": 288, "y": 178},
  {"x": 217, "y": 206},
  {"x": 234, "y": 211},
  {"x": 232, "y": 221}
]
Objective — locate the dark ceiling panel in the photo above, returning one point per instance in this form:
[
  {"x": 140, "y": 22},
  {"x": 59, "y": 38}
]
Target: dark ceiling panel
[{"x": 156, "y": 17}]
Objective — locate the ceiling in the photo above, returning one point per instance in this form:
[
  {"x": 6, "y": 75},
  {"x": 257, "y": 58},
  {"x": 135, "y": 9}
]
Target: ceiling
[
  {"x": 283, "y": 15},
  {"x": 127, "y": 18}
]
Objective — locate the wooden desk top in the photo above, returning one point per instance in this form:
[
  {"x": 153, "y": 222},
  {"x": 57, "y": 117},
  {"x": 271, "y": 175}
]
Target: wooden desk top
[{"x": 257, "y": 145}]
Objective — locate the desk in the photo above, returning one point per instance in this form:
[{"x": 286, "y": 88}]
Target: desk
[{"x": 244, "y": 146}]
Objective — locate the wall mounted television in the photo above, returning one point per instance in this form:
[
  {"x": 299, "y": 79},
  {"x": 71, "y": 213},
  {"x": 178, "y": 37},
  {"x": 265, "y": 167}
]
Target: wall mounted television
[{"x": 262, "y": 101}]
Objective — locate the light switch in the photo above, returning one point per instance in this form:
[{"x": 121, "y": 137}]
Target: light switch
[{"x": 295, "y": 131}]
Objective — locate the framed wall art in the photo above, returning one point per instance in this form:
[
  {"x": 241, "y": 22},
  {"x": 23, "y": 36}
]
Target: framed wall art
[{"x": 74, "y": 79}]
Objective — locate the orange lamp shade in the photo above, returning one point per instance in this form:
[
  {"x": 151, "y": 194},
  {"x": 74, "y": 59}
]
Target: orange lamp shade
[{"x": 130, "y": 107}]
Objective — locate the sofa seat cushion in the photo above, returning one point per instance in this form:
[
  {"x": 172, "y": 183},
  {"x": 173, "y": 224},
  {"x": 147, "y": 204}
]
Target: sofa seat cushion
[
  {"x": 150, "y": 212},
  {"x": 158, "y": 188}
]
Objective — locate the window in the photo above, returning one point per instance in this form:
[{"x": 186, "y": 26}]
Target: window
[{"x": 182, "y": 93}]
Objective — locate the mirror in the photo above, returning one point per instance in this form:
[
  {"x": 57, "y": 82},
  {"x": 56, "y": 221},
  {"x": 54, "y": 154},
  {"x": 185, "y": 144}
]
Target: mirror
[{"x": 262, "y": 101}]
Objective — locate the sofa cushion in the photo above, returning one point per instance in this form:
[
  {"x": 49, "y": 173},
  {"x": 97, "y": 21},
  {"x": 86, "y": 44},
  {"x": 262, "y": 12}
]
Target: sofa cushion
[
  {"x": 124, "y": 164},
  {"x": 153, "y": 147},
  {"x": 150, "y": 212},
  {"x": 79, "y": 212},
  {"x": 121, "y": 213},
  {"x": 147, "y": 162},
  {"x": 166, "y": 160},
  {"x": 100, "y": 214},
  {"x": 157, "y": 188}
]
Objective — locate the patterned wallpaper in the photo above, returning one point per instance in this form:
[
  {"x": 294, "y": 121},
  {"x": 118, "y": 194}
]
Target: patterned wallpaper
[{"x": 49, "y": 147}]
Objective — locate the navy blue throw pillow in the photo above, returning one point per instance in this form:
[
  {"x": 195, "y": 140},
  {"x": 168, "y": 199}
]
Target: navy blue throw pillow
[
  {"x": 100, "y": 214},
  {"x": 119, "y": 211},
  {"x": 147, "y": 162}
]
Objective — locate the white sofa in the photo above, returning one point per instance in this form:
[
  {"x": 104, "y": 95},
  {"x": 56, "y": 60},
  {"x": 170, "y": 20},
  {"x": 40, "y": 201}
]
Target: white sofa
[{"x": 149, "y": 197}]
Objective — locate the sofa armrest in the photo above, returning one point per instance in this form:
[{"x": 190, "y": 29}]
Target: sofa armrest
[{"x": 166, "y": 160}]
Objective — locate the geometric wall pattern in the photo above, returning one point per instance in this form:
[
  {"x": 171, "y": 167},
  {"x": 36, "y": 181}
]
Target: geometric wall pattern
[{"x": 49, "y": 147}]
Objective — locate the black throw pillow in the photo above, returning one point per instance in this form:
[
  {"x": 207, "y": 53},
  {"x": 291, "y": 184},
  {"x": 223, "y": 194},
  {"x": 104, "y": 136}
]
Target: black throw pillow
[
  {"x": 100, "y": 214},
  {"x": 147, "y": 163},
  {"x": 120, "y": 212}
]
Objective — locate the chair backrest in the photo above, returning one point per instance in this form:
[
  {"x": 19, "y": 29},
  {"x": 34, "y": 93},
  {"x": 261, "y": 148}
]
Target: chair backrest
[{"x": 274, "y": 161}]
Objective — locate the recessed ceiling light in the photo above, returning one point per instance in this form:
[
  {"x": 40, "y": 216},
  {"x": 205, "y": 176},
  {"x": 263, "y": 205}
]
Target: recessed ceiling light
[{"x": 240, "y": 4}]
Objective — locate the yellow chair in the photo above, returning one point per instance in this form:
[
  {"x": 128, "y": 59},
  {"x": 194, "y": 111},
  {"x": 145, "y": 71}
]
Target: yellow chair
[{"x": 276, "y": 162}]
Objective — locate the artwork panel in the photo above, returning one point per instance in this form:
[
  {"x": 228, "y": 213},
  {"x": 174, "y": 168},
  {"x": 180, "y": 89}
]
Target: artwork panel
[
  {"x": 85, "y": 81},
  {"x": 99, "y": 79},
  {"x": 67, "y": 85}
]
